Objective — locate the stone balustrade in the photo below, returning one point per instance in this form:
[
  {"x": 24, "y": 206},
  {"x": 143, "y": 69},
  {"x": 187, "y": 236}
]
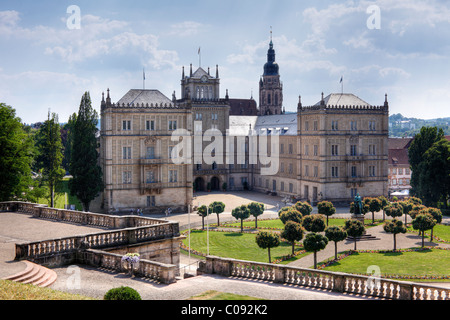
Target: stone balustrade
[
  {"x": 78, "y": 217},
  {"x": 333, "y": 281}
]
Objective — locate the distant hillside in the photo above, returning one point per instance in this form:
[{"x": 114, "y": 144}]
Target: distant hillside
[{"x": 400, "y": 126}]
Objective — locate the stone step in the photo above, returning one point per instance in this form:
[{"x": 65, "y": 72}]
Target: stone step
[{"x": 34, "y": 274}]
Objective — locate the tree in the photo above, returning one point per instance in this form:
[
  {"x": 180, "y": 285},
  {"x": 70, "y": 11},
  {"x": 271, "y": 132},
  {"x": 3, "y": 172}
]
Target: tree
[
  {"x": 315, "y": 242},
  {"x": 407, "y": 206},
  {"x": 241, "y": 213},
  {"x": 68, "y": 141},
  {"x": 437, "y": 216},
  {"x": 256, "y": 209},
  {"x": 394, "y": 209},
  {"x": 304, "y": 208},
  {"x": 50, "y": 155},
  {"x": 435, "y": 177},
  {"x": 217, "y": 207},
  {"x": 395, "y": 227},
  {"x": 267, "y": 240},
  {"x": 419, "y": 146},
  {"x": 364, "y": 205},
  {"x": 87, "y": 182},
  {"x": 290, "y": 214},
  {"x": 336, "y": 234},
  {"x": 326, "y": 208},
  {"x": 16, "y": 156},
  {"x": 374, "y": 205},
  {"x": 423, "y": 222},
  {"x": 354, "y": 228},
  {"x": 384, "y": 204},
  {"x": 203, "y": 211},
  {"x": 314, "y": 223},
  {"x": 292, "y": 232}
]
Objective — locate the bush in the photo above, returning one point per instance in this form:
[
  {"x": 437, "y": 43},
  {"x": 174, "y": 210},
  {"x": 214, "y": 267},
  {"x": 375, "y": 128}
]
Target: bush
[{"x": 122, "y": 293}]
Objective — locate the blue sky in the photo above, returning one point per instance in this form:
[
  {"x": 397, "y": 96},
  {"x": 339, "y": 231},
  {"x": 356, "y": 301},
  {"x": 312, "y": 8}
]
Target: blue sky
[{"x": 44, "y": 64}]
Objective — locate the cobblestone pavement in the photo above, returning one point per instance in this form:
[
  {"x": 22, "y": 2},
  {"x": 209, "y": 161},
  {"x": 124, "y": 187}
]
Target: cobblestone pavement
[{"x": 15, "y": 228}]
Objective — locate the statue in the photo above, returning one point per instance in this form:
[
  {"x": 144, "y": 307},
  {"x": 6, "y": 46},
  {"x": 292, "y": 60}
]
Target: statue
[{"x": 358, "y": 206}]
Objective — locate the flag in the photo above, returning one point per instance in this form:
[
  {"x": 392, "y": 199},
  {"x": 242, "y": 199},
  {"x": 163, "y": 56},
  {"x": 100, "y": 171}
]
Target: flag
[
  {"x": 342, "y": 79},
  {"x": 198, "y": 50},
  {"x": 143, "y": 74}
]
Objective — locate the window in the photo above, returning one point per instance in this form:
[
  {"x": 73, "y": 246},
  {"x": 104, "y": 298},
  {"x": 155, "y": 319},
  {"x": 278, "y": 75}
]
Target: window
[
  {"x": 291, "y": 188},
  {"x": 172, "y": 154},
  {"x": 151, "y": 201},
  {"x": 316, "y": 172},
  {"x": 372, "y": 126},
  {"x": 126, "y": 153},
  {"x": 371, "y": 171},
  {"x": 282, "y": 167},
  {"x": 281, "y": 148},
  {"x": 306, "y": 126},
  {"x": 334, "y": 150},
  {"x": 334, "y": 125},
  {"x": 400, "y": 170},
  {"x": 231, "y": 182},
  {"x": 282, "y": 186},
  {"x": 334, "y": 172},
  {"x": 150, "y": 125},
  {"x": 214, "y": 116},
  {"x": 354, "y": 192},
  {"x": 126, "y": 125},
  {"x": 316, "y": 150},
  {"x": 291, "y": 149},
  {"x": 150, "y": 153},
  {"x": 198, "y": 116},
  {"x": 407, "y": 171},
  {"x": 372, "y": 149},
  {"x": 353, "y": 150},
  {"x": 394, "y": 170},
  {"x": 173, "y": 176},
  {"x": 274, "y": 185},
  {"x": 306, "y": 171},
  {"x": 199, "y": 167},
  {"x": 291, "y": 168},
  {"x": 150, "y": 177},
  {"x": 353, "y": 125},
  {"x": 316, "y": 125},
  {"x": 172, "y": 125},
  {"x": 353, "y": 172},
  {"x": 306, "y": 150},
  {"x": 126, "y": 177}
]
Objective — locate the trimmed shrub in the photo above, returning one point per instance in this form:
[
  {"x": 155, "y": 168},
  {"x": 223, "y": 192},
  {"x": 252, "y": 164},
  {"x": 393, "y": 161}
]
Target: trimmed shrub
[{"x": 122, "y": 293}]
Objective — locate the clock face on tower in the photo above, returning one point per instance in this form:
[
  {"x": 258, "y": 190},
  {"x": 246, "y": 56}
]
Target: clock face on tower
[{"x": 204, "y": 78}]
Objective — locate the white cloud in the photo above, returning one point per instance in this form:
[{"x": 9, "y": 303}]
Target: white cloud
[{"x": 186, "y": 28}]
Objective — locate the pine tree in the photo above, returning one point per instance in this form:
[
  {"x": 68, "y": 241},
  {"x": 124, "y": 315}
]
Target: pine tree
[{"x": 87, "y": 182}]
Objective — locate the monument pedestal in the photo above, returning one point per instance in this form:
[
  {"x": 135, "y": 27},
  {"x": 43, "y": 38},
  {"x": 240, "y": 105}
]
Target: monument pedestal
[
  {"x": 358, "y": 217},
  {"x": 365, "y": 236}
]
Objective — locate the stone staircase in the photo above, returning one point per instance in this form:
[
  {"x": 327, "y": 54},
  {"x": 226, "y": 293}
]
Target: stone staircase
[{"x": 34, "y": 274}]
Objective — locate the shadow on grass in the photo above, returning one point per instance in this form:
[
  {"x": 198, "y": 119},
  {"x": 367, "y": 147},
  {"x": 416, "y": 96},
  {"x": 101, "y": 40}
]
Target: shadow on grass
[{"x": 233, "y": 234}]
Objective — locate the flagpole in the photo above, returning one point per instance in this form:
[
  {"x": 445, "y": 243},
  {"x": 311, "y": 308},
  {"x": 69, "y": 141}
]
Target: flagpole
[
  {"x": 143, "y": 78},
  {"x": 199, "y": 57}
]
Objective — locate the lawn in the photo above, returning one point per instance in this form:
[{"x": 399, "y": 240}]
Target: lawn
[
  {"x": 241, "y": 246},
  {"x": 440, "y": 231},
  {"x": 412, "y": 263},
  {"x": 60, "y": 197}
]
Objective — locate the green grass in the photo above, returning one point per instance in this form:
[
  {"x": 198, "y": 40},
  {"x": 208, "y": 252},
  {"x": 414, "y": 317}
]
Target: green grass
[
  {"x": 10, "y": 290},
  {"x": 241, "y": 246},
  {"x": 440, "y": 231},
  {"x": 60, "y": 198},
  {"x": 217, "y": 295},
  {"x": 413, "y": 263}
]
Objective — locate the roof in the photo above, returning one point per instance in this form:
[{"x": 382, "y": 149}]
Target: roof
[
  {"x": 399, "y": 143},
  {"x": 240, "y": 125},
  {"x": 286, "y": 124},
  {"x": 139, "y": 96},
  {"x": 398, "y": 157},
  {"x": 343, "y": 99},
  {"x": 243, "y": 107}
]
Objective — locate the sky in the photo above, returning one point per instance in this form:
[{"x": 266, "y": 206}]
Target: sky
[{"x": 50, "y": 56}]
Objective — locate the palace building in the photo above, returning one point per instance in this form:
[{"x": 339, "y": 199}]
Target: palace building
[{"x": 331, "y": 150}]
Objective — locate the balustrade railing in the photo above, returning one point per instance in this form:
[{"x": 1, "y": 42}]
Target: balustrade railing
[{"x": 334, "y": 281}]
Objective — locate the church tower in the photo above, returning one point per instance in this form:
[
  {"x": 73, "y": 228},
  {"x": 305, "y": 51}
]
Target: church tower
[{"x": 270, "y": 86}]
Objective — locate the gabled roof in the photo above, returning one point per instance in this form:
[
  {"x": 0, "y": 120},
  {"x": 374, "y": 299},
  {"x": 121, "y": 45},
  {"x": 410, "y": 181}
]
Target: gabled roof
[
  {"x": 139, "y": 96},
  {"x": 399, "y": 143},
  {"x": 243, "y": 107},
  {"x": 285, "y": 124},
  {"x": 200, "y": 73},
  {"x": 343, "y": 99},
  {"x": 398, "y": 157}
]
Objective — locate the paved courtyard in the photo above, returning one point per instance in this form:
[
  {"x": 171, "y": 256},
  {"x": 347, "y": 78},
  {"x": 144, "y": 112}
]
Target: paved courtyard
[{"x": 16, "y": 228}]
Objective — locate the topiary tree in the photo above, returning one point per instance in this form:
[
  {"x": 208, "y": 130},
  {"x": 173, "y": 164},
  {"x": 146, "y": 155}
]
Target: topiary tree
[
  {"x": 217, "y": 207},
  {"x": 203, "y": 211},
  {"x": 314, "y": 223},
  {"x": 256, "y": 209},
  {"x": 354, "y": 228},
  {"x": 315, "y": 242},
  {"x": 122, "y": 293},
  {"x": 394, "y": 209},
  {"x": 304, "y": 208},
  {"x": 292, "y": 232},
  {"x": 384, "y": 204},
  {"x": 374, "y": 205},
  {"x": 326, "y": 208},
  {"x": 336, "y": 234},
  {"x": 267, "y": 240},
  {"x": 290, "y": 214},
  {"x": 437, "y": 216},
  {"x": 395, "y": 227},
  {"x": 407, "y": 206},
  {"x": 423, "y": 221},
  {"x": 241, "y": 213}
]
